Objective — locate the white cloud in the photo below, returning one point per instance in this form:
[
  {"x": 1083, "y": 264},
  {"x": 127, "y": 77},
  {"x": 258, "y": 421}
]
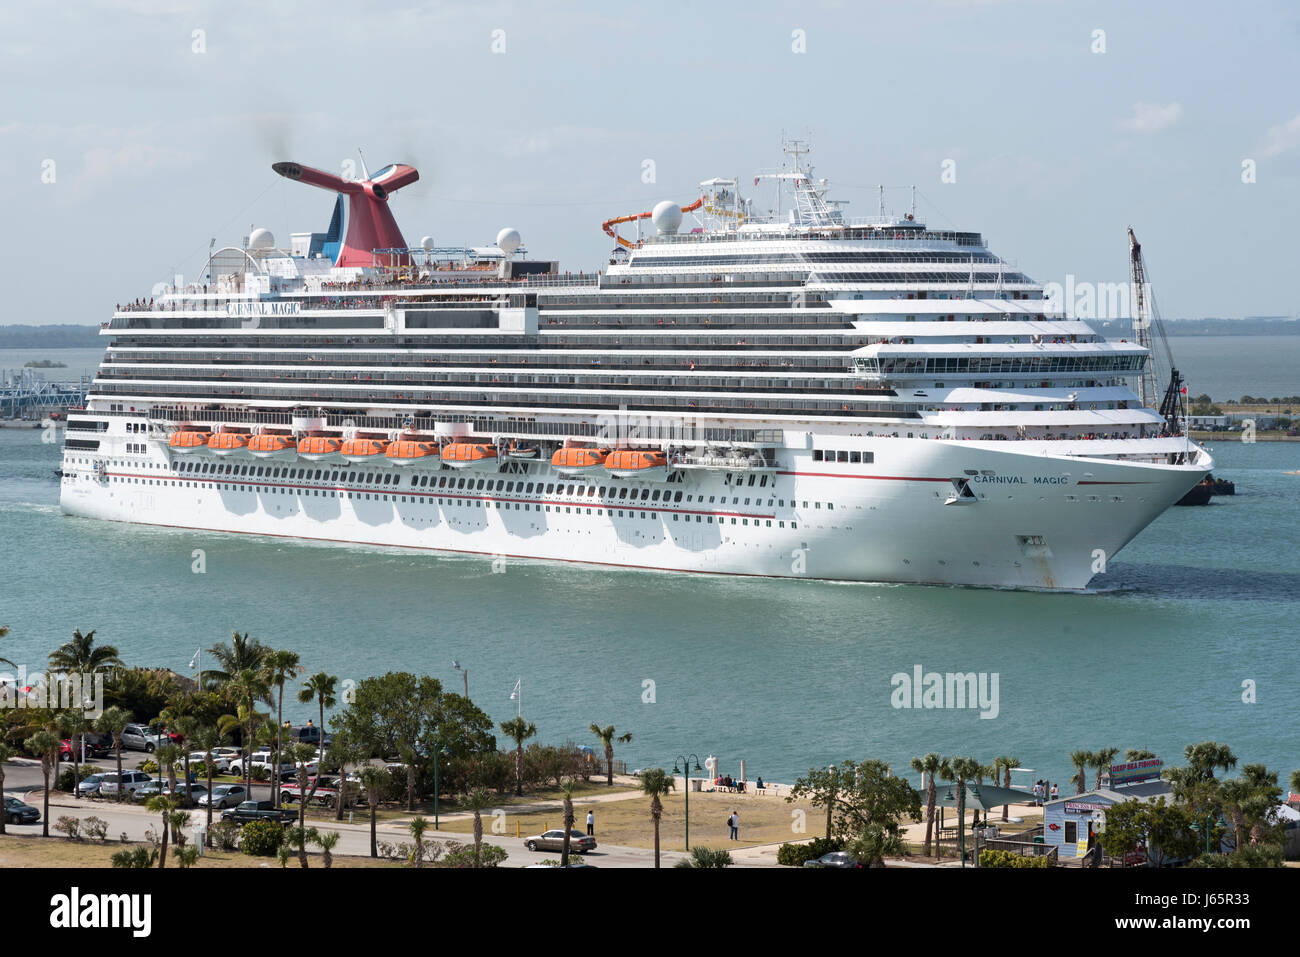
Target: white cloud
[
  {"x": 1283, "y": 137},
  {"x": 1152, "y": 117}
]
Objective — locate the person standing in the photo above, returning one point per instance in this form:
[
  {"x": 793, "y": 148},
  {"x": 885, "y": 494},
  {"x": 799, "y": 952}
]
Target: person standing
[
  {"x": 733, "y": 823},
  {"x": 591, "y": 823}
]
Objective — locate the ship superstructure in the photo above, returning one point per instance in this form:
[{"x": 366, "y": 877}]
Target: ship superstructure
[{"x": 792, "y": 394}]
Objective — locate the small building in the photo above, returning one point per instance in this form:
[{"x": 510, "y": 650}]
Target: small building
[
  {"x": 1209, "y": 423},
  {"x": 1072, "y": 823}
]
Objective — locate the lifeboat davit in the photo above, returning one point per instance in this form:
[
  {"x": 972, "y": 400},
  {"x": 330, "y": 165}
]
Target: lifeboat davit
[
  {"x": 189, "y": 441},
  {"x": 413, "y": 453},
  {"x": 320, "y": 448},
  {"x": 229, "y": 445},
  {"x": 479, "y": 456},
  {"x": 636, "y": 463},
  {"x": 363, "y": 451},
  {"x": 578, "y": 461},
  {"x": 271, "y": 446}
]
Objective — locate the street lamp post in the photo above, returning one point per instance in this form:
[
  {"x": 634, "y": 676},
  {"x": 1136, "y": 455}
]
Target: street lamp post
[
  {"x": 465, "y": 673},
  {"x": 685, "y": 761}
]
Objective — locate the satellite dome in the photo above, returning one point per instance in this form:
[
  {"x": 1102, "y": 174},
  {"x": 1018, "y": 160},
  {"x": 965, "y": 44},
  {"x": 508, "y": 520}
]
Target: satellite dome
[
  {"x": 666, "y": 216},
  {"x": 261, "y": 239},
  {"x": 426, "y": 243},
  {"x": 508, "y": 240}
]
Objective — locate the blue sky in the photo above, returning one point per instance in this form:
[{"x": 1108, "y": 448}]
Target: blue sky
[{"x": 157, "y": 148}]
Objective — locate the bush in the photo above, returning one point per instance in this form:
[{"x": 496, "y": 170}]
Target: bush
[
  {"x": 149, "y": 766},
  {"x": 140, "y": 857},
  {"x": 95, "y": 828},
  {"x": 224, "y": 835},
  {"x": 794, "y": 855},
  {"x": 261, "y": 838},
  {"x": 1251, "y": 855},
  {"x": 462, "y": 855},
  {"x": 990, "y": 858},
  {"x": 70, "y": 827},
  {"x": 704, "y": 857}
]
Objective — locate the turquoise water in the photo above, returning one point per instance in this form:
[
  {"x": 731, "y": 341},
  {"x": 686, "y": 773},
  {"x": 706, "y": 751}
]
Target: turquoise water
[{"x": 783, "y": 674}]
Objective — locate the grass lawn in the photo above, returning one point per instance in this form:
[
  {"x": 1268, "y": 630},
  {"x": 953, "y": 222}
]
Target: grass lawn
[
  {"x": 764, "y": 819},
  {"x": 26, "y": 851}
]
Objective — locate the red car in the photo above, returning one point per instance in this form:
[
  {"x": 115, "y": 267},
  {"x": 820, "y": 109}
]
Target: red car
[{"x": 95, "y": 747}]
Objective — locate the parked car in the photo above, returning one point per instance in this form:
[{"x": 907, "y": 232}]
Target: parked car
[
  {"x": 89, "y": 786},
  {"x": 258, "y": 811},
  {"x": 305, "y": 734},
  {"x": 130, "y": 783},
  {"x": 224, "y": 796},
  {"x": 16, "y": 812},
  {"x": 140, "y": 737},
  {"x": 553, "y": 840},
  {"x": 95, "y": 746},
  {"x": 220, "y": 763},
  {"x": 262, "y": 760},
  {"x": 162, "y": 787},
  {"x": 326, "y": 791},
  {"x": 834, "y": 859}
]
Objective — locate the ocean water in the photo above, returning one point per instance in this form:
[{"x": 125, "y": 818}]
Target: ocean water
[{"x": 785, "y": 675}]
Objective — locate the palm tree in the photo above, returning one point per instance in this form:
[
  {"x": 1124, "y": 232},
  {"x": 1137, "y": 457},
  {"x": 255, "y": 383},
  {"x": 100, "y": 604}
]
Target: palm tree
[
  {"x": 6, "y": 754},
  {"x": 327, "y": 842},
  {"x": 242, "y": 654},
  {"x": 185, "y": 725},
  {"x": 928, "y": 768},
  {"x": 606, "y": 736},
  {"x": 1005, "y": 765},
  {"x": 960, "y": 770},
  {"x": 80, "y": 656},
  {"x": 248, "y": 686},
  {"x": 114, "y": 721},
  {"x": 205, "y": 739},
  {"x": 164, "y": 805},
  {"x": 1206, "y": 757},
  {"x": 1081, "y": 760},
  {"x": 321, "y": 688},
  {"x": 279, "y": 667},
  {"x": 656, "y": 783},
  {"x": 73, "y": 723},
  {"x": 372, "y": 779},
  {"x": 45, "y": 745},
  {"x": 519, "y": 731},
  {"x": 167, "y": 755},
  {"x": 478, "y": 800},
  {"x": 417, "y": 827},
  {"x": 1102, "y": 760},
  {"x": 1139, "y": 754},
  {"x": 567, "y": 788}
]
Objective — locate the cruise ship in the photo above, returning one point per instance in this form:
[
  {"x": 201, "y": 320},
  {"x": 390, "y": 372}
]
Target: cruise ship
[{"x": 782, "y": 391}]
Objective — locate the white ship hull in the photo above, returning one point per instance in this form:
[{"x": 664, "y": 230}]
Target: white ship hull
[{"x": 1037, "y": 521}]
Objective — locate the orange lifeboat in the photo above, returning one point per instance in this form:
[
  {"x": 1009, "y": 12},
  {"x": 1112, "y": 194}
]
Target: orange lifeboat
[
  {"x": 361, "y": 451},
  {"x": 413, "y": 453},
  {"x": 578, "y": 461},
  {"x": 470, "y": 455},
  {"x": 230, "y": 445},
  {"x": 188, "y": 441},
  {"x": 320, "y": 448},
  {"x": 636, "y": 463},
  {"x": 271, "y": 446}
]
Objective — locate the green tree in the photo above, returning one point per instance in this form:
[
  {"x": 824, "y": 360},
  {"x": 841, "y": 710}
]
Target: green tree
[
  {"x": 45, "y": 745},
  {"x": 1007, "y": 765},
  {"x": 417, "y": 826},
  {"x": 656, "y": 783},
  {"x": 373, "y": 779},
  {"x": 327, "y": 842},
  {"x": 928, "y": 767},
  {"x": 518, "y": 730},
  {"x": 607, "y": 739},
  {"x": 248, "y": 687},
  {"x": 206, "y": 739},
  {"x": 567, "y": 789},
  {"x": 164, "y": 805},
  {"x": 241, "y": 654},
  {"x": 864, "y": 800},
  {"x": 322, "y": 688},
  {"x": 1081, "y": 760},
  {"x": 114, "y": 721},
  {"x": 1102, "y": 760},
  {"x": 277, "y": 668},
  {"x": 478, "y": 801},
  {"x": 960, "y": 771},
  {"x": 1138, "y": 754},
  {"x": 80, "y": 656}
]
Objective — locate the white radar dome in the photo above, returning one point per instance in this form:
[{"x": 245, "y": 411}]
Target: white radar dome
[
  {"x": 426, "y": 243},
  {"x": 666, "y": 216},
  {"x": 508, "y": 240},
  {"x": 261, "y": 239}
]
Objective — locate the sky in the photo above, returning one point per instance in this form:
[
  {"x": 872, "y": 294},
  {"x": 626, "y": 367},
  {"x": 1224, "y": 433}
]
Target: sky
[{"x": 132, "y": 132}]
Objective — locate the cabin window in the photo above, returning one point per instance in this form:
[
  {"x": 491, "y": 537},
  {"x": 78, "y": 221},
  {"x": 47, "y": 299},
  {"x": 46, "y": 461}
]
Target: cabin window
[{"x": 817, "y": 455}]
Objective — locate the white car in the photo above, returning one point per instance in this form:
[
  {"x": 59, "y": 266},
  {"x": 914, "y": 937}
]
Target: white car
[
  {"x": 131, "y": 782},
  {"x": 220, "y": 763},
  {"x": 223, "y": 796}
]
